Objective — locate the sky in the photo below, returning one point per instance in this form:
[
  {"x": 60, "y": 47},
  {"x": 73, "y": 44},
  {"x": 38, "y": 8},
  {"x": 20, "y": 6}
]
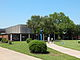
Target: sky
[{"x": 13, "y": 12}]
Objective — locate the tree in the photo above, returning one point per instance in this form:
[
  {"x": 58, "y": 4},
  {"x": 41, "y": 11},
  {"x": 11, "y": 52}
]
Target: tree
[
  {"x": 55, "y": 23},
  {"x": 33, "y": 23},
  {"x": 63, "y": 23},
  {"x": 77, "y": 31}
]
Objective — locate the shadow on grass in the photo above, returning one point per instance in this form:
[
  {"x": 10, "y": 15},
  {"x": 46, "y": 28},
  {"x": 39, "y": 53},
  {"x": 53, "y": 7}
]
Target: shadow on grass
[
  {"x": 47, "y": 52},
  {"x": 57, "y": 40}
]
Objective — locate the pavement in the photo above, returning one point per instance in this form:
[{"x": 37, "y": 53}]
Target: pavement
[
  {"x": 6, "y": 54},
  {"x": 61, "y": 49}
]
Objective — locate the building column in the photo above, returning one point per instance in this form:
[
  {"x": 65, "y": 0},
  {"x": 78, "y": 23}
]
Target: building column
[
  {"x": 20, "y": 37},
  {"x": 10, "y": 37},
  {"x": 28, "y": 35}
]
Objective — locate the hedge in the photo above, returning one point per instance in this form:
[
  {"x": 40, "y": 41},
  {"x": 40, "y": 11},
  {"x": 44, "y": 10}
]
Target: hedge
[
  {"x": 28, "y": 40},
  {"x": 37, "y": 46}
]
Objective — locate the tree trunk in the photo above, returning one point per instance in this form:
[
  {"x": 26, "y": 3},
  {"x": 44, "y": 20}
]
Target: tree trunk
[
  {"x": 63, "y": 37},
  {"x": 54, "y": 36},
  {"x": 77, "y": 36},
  {"x": 43, "y": 37},
  {"x": 72, "y": 37}
]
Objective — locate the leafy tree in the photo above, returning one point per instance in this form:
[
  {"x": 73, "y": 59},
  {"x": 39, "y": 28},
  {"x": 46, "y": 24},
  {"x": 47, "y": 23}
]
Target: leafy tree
[
  {"x": 77, "y": 31},
  {"x": 33, "y": 23},
  {"x": 63, "y": 23},
  {"x": 55, "y": 23}
]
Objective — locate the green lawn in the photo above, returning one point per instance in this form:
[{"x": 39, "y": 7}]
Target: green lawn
[
  {"x": 73, "y": 44},
  {"x": 23, "y": 48}
]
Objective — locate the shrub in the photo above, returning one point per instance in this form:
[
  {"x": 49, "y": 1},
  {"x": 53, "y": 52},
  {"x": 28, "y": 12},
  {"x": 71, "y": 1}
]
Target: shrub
[
  {"x": 9, "y": 42},
  {"x": 59, "y": 38},
  {"x": 37, "y": 46},
  {"x": 0, "y": 39},
  {"x": 28, "y": 40},
  {"x": 78, "y": 41},
  {"x": 4, "y": 40}
]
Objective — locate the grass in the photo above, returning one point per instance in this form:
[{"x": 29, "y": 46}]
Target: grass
[
  {"x": 73, "y": 44},
  {"x": 23, "y": 48}
]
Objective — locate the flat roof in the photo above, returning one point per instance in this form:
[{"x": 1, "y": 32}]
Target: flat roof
[
  {"x": 17, "y": 25},
  {"x": 2, "y": 30},
  {"x": 20, "y": 28}
]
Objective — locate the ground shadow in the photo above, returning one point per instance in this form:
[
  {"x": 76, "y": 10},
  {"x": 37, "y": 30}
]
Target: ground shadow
[{"x": 47, "y": 52}]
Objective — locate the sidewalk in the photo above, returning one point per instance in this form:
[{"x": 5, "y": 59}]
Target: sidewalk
[
  {"x": 6, "y": 54},
  {"x": 68, "y": 51}
]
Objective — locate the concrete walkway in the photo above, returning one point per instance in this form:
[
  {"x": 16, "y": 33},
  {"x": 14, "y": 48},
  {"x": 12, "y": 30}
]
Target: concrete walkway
[
  {"x": 68, "y": 51},
  {"x": 6, "y": 54}
]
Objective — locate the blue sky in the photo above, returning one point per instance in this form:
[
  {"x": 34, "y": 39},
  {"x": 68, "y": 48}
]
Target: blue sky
[{"x": 13, "y": 12}]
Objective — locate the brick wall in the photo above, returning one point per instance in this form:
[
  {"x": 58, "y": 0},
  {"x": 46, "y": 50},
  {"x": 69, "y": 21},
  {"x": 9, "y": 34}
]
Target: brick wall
[{"x": 4, "y": 36}]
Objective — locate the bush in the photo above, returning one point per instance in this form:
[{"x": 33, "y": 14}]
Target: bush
[
  {"x": 78, "y": 41},
  {"x": 4, "y": 40},
  {"x": 0, "y": 39},
  {"x": 9, "y": 42},
  {"x": 59, "y": 38},
  {"x": 37, "y": 46},
  {"x": 28, "y": 40}
]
